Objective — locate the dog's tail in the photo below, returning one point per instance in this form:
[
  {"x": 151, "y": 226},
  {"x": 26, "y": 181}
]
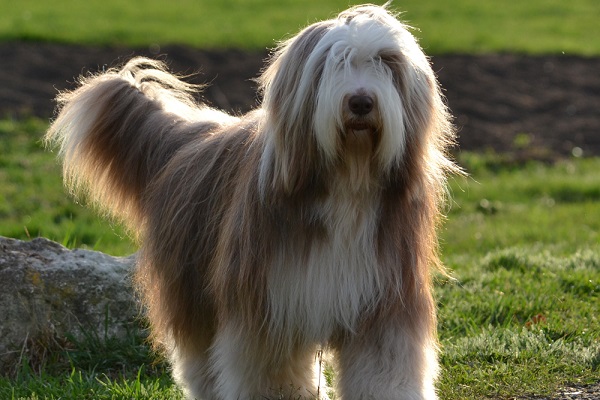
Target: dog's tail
[{"x": 120, "y": 128}]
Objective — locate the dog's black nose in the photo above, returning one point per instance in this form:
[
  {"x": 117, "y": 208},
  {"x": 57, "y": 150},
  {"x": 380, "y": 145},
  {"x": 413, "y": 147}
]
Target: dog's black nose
[{"x": 360, "y": 104}]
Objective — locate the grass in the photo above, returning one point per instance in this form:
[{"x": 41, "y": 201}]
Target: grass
[
  {"x": 507, "y": 206},
  {"x": 32, "y": 201},
  {"x": 522, "y": 316},
  {"x": 467, "y": 26},
  {"x": 94, "y": 368},
  {"x": 520, "y": 321}
]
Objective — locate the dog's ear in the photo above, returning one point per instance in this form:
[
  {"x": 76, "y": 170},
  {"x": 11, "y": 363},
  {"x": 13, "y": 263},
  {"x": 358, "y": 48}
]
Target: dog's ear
[
  {"x": 427, "y": 123},
  {"x": 289, "y": 85}
]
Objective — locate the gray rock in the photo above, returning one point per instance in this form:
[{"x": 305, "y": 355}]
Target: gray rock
[{"x": 47, "y": 290}]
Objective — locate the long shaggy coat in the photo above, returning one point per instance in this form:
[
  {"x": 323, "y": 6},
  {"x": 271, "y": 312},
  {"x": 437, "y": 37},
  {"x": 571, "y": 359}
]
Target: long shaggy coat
[{"x": 306, "y": 224}]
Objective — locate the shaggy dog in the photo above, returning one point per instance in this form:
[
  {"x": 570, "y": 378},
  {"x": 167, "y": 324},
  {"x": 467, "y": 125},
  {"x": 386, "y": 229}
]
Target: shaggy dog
[{"x": 306, "y": 224}]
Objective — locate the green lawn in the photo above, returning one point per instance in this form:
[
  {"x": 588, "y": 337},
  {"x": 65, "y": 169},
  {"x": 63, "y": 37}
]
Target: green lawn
[
  {"x": 33, "y": 202},
  {"x": 522, "y": 315},
  {"x": 537, "y": 26}
]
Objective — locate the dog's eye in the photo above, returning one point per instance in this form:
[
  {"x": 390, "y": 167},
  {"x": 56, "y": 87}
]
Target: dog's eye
[{"x": 389, "y": 59}]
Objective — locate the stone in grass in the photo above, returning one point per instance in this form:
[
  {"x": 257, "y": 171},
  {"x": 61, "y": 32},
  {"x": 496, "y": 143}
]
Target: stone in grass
[{"x": 48, "y": 292}]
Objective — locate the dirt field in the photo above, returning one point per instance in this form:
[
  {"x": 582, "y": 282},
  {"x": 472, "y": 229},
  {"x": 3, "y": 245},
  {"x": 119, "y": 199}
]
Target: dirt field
[{"x": 540, "y": 107}]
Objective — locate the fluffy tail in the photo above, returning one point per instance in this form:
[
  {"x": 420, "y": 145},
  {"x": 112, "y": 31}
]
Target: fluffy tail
[{"x": 119, "y": 129}]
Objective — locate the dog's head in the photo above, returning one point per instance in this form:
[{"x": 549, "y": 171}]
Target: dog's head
[{"x": 354, "y": 93}]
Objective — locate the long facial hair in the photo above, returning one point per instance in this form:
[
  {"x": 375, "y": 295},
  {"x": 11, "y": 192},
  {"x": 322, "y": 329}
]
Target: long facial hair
[{"x": 305, "y": 221}]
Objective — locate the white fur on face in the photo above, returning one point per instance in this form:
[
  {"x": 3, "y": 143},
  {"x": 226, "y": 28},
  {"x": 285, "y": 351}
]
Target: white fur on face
[
  {"x": 356, "y": 54},
  {"x": 353, "y": 65}
]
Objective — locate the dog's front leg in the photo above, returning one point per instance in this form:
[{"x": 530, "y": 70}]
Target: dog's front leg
[
  {"x": 247, "y": 365},
  {"x": 393, "y": 360}
]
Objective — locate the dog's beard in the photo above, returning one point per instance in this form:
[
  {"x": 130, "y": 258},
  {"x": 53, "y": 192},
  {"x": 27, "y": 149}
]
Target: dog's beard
[
  {"x": 357, "y": 161},
  {"x": 360, "y": 137}
]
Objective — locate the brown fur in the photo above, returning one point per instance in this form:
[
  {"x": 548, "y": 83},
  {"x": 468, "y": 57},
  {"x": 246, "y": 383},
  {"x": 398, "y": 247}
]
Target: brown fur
[{"x": 187, "y": 180}]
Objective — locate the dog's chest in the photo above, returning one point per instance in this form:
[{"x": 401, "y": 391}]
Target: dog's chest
[{"x": 335, "y": 282}]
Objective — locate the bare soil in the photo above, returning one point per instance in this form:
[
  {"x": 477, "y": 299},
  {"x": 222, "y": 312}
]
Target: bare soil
[
  {"x": 529, "y": 106},
  {"x": 542, "y": 107}
]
